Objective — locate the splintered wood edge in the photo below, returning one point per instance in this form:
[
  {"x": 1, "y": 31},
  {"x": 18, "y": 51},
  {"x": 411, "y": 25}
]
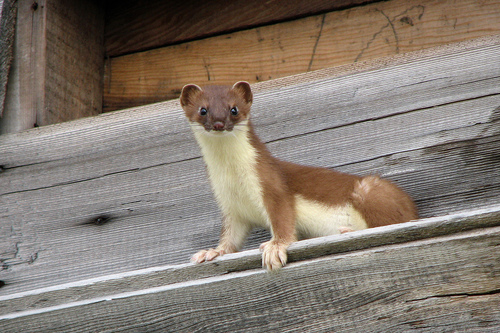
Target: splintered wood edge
[{"x": 246, "y": 262}]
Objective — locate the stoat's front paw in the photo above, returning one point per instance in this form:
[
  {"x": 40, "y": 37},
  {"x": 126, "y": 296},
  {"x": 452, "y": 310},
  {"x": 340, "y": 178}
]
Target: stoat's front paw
[
  {"x": 273, "y": 255},
  {"x": 206, "y": 255}
]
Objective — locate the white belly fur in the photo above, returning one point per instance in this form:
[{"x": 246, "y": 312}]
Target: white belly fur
[
  {"x": 314, "y": 219},
  {"x": 231, "y": 163}
]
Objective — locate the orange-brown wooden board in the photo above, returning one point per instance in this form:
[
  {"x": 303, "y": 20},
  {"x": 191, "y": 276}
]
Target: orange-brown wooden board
[
  {"x": 284, "y": 49},
  {"x": 132, "y": 25}
]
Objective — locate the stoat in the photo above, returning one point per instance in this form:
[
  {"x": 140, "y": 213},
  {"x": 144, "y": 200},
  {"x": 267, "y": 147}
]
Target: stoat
[{"x": 255, "y": 189}]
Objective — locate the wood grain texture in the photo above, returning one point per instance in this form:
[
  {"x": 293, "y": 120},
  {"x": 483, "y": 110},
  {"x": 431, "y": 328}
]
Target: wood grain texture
[
  {"x": 8, "y": 12},
  {"x": 24, "y": 94},
  {"x": 122, "y": 191},
  {"x": 133, "y": 281},
  {"x": 133, "y": 26},
  {"x": 316, "y": 42},
  {"x": 448, "y": 282},
  {"x": 58, "y": 67},
  {"x": 75, "y": 61}
]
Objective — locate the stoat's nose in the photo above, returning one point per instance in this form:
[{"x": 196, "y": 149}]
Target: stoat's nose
[{"x": 218, "y": 126}]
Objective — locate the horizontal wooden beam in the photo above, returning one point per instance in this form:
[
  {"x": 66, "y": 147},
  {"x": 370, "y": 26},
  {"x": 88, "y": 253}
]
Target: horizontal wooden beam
[
  {"x": 133, "y": 26},
  {"x": 122, "y": 191},
  {"x": 391, "y": 287},
  {"x": 312, "y": 43}
]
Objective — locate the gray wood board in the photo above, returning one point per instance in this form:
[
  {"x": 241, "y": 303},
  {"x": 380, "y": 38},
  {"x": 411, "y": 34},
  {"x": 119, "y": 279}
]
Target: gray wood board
[
  {"x": 449, "y": 282},
  {"x": 152, "y": 277},
  {"x": 429, "y": 124}
]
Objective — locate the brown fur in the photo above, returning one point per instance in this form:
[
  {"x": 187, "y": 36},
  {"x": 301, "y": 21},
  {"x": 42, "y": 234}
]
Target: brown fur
[{"x": 379, "y": 201}]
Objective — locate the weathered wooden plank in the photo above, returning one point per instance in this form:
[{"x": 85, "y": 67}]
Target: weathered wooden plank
[
  {"x": 308, "y": 249},
  {"x": 58, "y": 68},
  {"x": 132, "y": 26},
  {"x": 449, "y": 282},
  {"x": 8, "y": 12},
  {"x": 140, "y": 170},
  {"x": 338, "y": 98},
  {"x": 289, "y": 48}
]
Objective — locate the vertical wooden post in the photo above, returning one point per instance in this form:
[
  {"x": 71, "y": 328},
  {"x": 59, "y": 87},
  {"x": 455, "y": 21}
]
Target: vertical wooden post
[
  {"x": 8, "y": 11},
  {"x": 57, "y": 70},
  {"x": 21, "y": 95}
]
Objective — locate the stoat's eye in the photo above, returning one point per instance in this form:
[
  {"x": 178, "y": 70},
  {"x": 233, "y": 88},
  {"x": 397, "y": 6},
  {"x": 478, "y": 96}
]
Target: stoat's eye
[
  {"x": 203, "y": 111},
  {"x": 234, "y": 111}
]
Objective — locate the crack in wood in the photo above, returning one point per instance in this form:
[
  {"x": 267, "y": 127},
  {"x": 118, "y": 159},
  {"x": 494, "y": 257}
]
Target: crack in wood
[
  {"x": 93, "y": 178},
  {"x": 71, "y": 182},
  {"x": 374, "y": 36},
  {"x": 316, "y": 43},
  {"x": 464, "y": 294},
  {"x": 387, "y": 116},
  {"x": 415, "y": 150},
  {"x": 206, "y": 65},
  {"x": 396, "y": 37},
  {"x": 393, "y": 28}
]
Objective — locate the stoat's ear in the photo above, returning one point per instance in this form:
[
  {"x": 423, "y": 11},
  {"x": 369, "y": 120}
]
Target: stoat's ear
[
  {"x": 243, "y": 89},
  {"x": 188, "y": 94}
]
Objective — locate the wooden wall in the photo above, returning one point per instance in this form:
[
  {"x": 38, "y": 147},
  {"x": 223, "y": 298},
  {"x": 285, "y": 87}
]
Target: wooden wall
[
  {"x": 258, "y": 51},
  {"x": 77, "y": 59},
  {"x": 123, "y": 190},
  {"x": 99, "y": 216},
  {"x": 58, "y": 64}
]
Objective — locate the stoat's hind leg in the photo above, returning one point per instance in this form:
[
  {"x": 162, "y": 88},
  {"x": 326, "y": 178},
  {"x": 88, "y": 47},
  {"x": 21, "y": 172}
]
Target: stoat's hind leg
[{"x": 381, "y": 202}]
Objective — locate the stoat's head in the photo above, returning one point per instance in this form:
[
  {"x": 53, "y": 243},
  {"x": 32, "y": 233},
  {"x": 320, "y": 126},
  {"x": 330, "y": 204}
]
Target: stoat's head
[{"x": 217, "y": 109}]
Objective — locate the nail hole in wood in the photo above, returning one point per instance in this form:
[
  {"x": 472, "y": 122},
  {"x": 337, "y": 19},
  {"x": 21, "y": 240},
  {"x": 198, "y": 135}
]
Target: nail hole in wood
[{"x": 99, "y": 220}]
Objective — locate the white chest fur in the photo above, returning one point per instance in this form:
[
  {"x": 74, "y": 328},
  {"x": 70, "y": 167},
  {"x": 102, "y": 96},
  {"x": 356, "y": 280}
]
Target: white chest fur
[{"x": 231, "y": 163}]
